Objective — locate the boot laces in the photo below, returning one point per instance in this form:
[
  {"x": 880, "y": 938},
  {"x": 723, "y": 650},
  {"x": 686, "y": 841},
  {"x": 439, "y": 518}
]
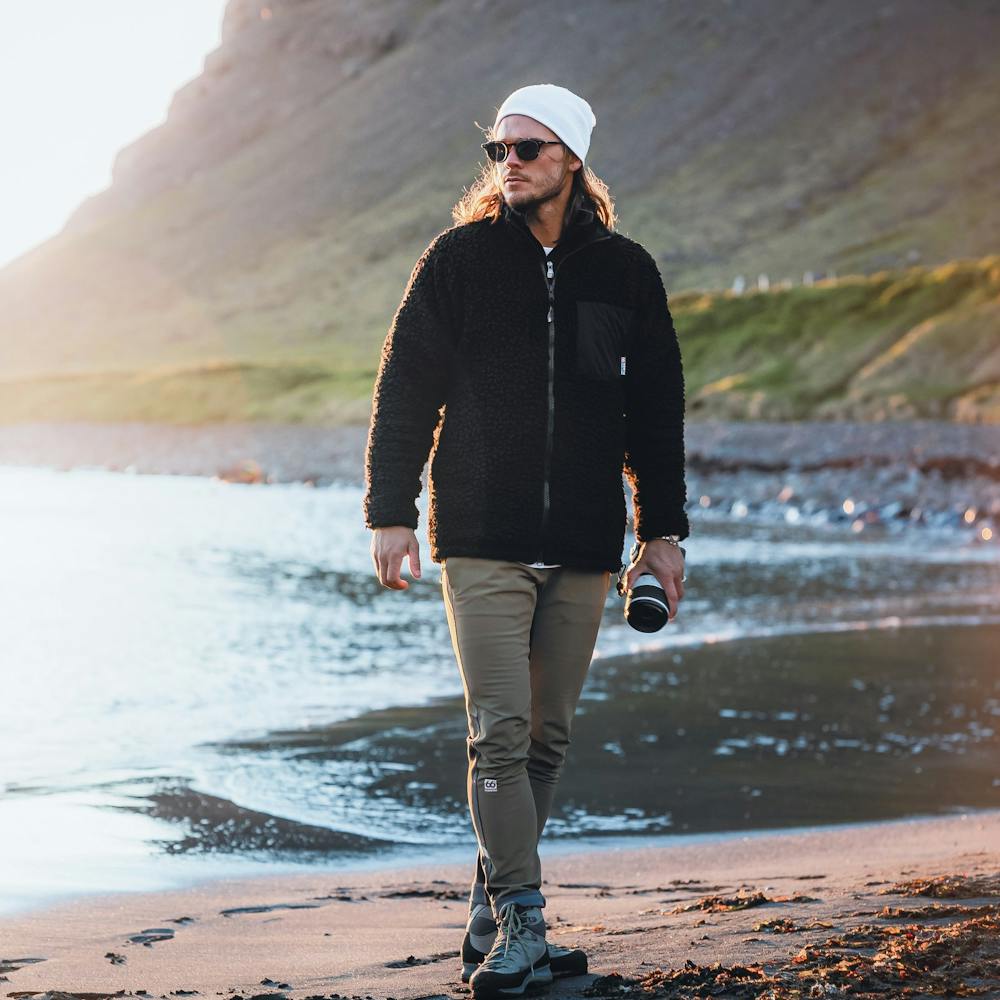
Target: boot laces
[{"x": 510, "y": 925}]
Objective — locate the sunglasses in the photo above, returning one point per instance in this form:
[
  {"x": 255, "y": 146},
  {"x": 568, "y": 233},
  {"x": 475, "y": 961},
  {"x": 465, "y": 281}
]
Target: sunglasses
[{"x": 527, "y": 149}]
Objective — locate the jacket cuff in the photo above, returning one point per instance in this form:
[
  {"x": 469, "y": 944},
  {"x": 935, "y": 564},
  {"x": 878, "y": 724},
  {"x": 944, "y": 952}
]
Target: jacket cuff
[
  {"x": 647, "y": 528},
  {"x": 401, "y": 514}
]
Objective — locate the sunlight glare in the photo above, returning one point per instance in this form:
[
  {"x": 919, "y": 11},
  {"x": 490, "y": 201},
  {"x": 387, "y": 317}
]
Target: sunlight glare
[{"x": 77, "y": 83}]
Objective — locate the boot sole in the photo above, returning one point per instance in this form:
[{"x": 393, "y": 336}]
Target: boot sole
[
  {"x": 533, "y": 977},
  {"x": 469, "y": 967}
]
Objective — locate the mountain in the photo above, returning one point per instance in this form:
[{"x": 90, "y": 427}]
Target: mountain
[{"x": 250, "y": 251}]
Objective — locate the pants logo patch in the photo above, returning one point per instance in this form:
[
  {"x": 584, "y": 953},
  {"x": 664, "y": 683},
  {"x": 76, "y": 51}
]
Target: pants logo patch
[{"x": 489, "y": 784}]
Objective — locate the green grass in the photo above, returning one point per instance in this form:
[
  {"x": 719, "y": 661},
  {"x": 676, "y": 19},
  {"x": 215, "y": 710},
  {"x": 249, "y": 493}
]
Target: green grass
[
  {"x": 212, "y": 392},
  {"x": 919, "y": 342},
  {"x": 926, "y": 338}
]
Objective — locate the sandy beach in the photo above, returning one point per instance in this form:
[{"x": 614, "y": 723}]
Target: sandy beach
[
  {"x": 901, "y": 908},
  {"x": 891, "y": 908}
]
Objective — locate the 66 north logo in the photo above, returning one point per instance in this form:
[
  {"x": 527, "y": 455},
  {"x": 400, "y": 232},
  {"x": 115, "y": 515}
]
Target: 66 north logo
[{"x": 490, "y": 784}]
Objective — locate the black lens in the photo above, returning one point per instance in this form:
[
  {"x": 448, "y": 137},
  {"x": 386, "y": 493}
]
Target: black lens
[
  {"x": 496, "y": 151},
  {"x": 527, "y": 149},
  {"x": 646, "y": 606}
]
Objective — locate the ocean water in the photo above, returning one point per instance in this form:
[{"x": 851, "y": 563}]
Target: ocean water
[{"x": 202, "y": 678}]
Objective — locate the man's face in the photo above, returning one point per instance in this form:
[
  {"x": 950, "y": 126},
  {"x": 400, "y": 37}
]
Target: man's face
[{"x": 527, "y": 183}]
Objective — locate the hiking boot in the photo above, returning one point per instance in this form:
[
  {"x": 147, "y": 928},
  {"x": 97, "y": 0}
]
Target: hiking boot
[
  {"x": 519, "y": 957},
  {"x": 567, "y": 961},
  {"x": 480, "y": 931}
]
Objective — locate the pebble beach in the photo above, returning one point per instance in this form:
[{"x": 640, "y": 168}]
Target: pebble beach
[{"x": 900, "y": 474}]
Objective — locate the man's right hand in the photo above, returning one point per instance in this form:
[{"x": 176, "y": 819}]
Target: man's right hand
[{"x": 389, "y": 545}]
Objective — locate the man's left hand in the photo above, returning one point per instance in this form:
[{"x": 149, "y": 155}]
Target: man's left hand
[{"x": 666, "y": 563}]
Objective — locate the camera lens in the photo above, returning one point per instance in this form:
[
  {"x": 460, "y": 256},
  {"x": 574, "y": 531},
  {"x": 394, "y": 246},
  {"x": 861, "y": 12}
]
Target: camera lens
[{"x": 646, "y": 607}]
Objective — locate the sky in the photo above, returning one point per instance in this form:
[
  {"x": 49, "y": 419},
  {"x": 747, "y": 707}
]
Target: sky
[{"x": 80, "y": 79}]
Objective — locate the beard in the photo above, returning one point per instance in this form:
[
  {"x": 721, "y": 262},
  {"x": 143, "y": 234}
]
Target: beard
[{"x": 525, "y": 199}]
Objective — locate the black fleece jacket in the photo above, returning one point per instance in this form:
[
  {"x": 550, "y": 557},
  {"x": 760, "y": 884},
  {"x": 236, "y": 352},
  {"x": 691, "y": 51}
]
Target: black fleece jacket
[{"x": 534, "y": 387}]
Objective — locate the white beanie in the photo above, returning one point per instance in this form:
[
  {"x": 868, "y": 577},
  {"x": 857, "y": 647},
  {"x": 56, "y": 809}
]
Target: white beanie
[{"x": 569, "y": 116}]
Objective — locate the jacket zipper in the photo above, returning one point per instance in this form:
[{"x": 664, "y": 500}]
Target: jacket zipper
[{"x": 550, "y": 283}]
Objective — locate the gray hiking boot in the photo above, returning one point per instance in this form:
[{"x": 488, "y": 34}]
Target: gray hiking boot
[
  {"x": 480, "y": 932},
  {"x": 519, "y": 957}
]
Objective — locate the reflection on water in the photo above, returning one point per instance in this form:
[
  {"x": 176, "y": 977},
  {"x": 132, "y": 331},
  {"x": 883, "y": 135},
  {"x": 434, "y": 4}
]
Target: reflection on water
[
  {"x": 209, "y": 670},
  {"x": 767, "y": 732}
]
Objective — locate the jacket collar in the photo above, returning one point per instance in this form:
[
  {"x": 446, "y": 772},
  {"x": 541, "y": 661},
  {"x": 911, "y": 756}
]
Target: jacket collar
[{"x": 583, "y": 226}]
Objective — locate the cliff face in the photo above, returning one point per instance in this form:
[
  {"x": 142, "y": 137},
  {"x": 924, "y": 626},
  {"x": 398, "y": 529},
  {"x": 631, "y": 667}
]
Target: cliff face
[
  {"x": 276, "y": 213},
  {"x": 271, "y": 88}
]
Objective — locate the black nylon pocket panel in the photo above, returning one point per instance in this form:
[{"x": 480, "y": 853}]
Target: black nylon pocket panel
[{"x": 601, "y": 338}]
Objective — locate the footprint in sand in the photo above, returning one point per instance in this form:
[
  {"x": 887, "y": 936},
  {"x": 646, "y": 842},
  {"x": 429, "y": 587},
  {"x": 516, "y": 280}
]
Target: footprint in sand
[
  {"x": 412, "y": 960},
  {"x": 150, "y": 935},
  {"x": 13, "y": 964},
  {"x": 234, "y": 911}
]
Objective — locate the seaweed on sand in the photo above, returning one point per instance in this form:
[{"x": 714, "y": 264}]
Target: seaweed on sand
[{"x": 866, "y": 962}]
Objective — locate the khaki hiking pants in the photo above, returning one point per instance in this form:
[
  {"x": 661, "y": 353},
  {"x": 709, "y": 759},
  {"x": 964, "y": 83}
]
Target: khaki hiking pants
[{"x": 523, "y": 637}]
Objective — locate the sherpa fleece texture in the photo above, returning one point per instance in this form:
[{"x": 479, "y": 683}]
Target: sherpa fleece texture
[{"x": 464, "y": 375}]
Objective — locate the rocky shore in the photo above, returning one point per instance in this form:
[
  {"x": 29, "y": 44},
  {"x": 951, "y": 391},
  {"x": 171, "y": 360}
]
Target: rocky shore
[{"x": 899, "y": 474}]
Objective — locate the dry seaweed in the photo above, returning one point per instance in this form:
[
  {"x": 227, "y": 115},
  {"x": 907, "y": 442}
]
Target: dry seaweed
[
  {"x": 960, "y": 959},
  {"x": 741, "y": 901},
  {"x": 736, "y": 981},
  {"x": 935, "y": 911},
  {"x": 785, "y": 925},
  {"x": 865, "y": 962},
  {"x": 947, "y": 887}
]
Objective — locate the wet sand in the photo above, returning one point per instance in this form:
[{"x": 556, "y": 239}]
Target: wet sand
[
  {"x": 768, "y": 732},
  {"x": 779, "y": 912}
]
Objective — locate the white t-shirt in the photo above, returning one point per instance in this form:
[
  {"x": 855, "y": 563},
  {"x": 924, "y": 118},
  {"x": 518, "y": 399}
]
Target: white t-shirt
[{"x": 541, "y": 565}]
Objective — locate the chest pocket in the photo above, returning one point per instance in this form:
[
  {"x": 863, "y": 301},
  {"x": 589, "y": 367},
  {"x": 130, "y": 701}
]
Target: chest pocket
[{"x": 602, "y": 339}]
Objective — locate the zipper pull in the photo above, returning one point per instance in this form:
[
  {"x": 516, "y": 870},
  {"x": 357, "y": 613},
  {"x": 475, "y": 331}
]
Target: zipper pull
[{"x": 550, "y": 273}]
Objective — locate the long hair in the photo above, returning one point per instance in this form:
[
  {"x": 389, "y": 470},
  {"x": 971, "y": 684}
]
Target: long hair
[{"x": 484, "y": 200}]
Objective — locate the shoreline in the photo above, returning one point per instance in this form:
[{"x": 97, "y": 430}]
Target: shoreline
[
  {"x": 308, "y": 452},
  {"x": 699, "y": 791},
  {"x": 395, "y": 862},
  {"x": 394, "y": 931},
  {"x": 902, "y": 475}
]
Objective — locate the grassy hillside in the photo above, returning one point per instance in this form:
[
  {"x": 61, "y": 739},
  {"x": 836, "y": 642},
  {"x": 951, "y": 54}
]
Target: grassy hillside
[
  {"x": 920, "y": 342},
  {"x": 264, "y": 232}
]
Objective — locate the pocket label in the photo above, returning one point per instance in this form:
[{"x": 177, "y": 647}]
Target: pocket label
[{"x": 602, "y": 335}]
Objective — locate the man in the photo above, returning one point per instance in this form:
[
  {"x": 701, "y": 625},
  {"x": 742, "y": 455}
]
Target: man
[{"x": 545, "y": 339}]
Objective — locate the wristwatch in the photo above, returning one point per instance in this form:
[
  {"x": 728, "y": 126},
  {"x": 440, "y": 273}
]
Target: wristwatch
[{"x": 673, "y": 539}]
